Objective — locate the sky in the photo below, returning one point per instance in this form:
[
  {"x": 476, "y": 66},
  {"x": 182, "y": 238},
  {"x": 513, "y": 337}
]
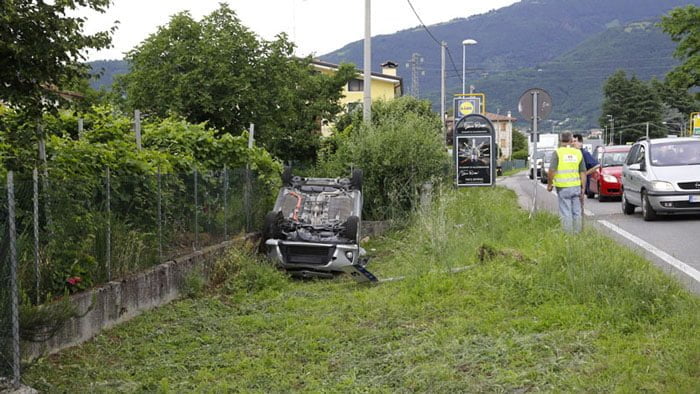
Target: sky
[{"x": 315, "y": 26}]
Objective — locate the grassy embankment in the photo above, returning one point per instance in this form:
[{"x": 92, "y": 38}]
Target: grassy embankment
[{"x": 538, "y": 310}]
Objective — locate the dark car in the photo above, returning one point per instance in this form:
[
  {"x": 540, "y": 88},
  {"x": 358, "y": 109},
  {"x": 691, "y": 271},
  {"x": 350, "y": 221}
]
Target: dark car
[
  {"x": 606, "y": 181},
  {"x": 314, "y": 227}
]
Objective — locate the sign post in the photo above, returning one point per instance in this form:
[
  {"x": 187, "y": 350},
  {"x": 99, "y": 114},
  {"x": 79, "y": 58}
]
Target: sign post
[
  {"x": 474, "y": 151},
  {"x": 535, "y": 104}
]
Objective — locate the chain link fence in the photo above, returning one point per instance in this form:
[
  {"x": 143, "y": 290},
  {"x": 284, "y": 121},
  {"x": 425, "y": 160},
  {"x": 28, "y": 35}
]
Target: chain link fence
[{"x": 73, "y": 235}]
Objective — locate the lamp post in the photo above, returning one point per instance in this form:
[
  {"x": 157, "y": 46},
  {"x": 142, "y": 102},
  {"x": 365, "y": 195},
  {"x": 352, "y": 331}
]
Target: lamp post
[
  {"x": 466, "y": 42},
  {"x": 612, "y": 128}
]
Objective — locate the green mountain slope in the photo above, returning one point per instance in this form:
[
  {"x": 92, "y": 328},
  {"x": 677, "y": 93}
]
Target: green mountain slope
[
  {"x": 515, "y": 41},
  {"x": 575, "y": 78},
  {"x": 106, "y": 70}
]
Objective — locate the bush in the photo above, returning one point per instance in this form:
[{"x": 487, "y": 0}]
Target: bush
[
  {"x": 519, "y": 155},
  {"x": 400, "y": 151}
]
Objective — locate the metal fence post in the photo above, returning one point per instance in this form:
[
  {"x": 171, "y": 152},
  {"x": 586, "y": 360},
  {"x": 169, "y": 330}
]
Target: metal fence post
[
  {"x": 35, "y": 181},
  {"x": 196, "y": 213},
  {"x": 137, "y": 128},
  {"x": 80, "y": 128},
  {"x": 109, "y": 226},
  {"x": 160, "y": 219},
  {"x": 14, "y": 296},
  {"x": 225, "y": 202}
]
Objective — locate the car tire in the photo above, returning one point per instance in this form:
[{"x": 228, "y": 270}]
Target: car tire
[
  {"x": 627, "y": 208},
  {"x": 356, "y": 179},
  {"x": 531, "y": 174},
  {"x": 601, "y": 197},
  {"x": 287, "y": 176},
  {"x": 590, "y": 194},
  {"x": 648, "y": 212},
  {"x": 352, "y": 227},
  {"x": 271, "y": 228}
]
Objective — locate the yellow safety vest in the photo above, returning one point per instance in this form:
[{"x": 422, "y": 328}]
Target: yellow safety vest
[{"x": 568, "y": 174}]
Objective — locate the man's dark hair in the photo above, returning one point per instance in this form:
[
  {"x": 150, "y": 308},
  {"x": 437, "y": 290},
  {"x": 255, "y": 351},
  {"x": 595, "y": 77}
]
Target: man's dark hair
[{"x": 578, "y": 137}]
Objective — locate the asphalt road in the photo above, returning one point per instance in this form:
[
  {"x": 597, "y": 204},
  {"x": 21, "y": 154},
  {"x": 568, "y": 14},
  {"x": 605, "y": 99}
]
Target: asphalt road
[{"x": 672, "y": 242}]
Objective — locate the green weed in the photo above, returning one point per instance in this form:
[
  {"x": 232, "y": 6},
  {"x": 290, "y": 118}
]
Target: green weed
[{"x": 538, "y": 310}]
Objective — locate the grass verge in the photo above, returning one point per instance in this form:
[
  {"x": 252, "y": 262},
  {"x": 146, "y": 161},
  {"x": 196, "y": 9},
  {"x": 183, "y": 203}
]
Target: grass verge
[{"x": 537, "y": 310}]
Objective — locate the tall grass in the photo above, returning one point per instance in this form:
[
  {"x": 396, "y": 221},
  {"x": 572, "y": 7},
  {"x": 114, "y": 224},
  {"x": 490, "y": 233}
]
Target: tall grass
[{"x": 539, "y": 310}]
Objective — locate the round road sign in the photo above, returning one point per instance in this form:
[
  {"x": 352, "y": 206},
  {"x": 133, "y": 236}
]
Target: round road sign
[{"x": 544, "y": 103}]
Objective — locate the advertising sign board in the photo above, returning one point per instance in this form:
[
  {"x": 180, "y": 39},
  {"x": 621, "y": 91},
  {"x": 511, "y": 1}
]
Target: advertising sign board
[
  {"x": 696, "y": 124},
  {"x": 467, "y": 104},
  {"x": 474, "y": 151}
]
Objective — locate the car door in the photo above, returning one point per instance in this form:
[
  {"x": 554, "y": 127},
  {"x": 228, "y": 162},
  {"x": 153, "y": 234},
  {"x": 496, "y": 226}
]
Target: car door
[
  {"x": 594, "y": 179},
  {"x": 633, "y": 179}
]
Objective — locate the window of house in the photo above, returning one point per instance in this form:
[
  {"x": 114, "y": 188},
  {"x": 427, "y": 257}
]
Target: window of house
[{"x": 356, "y": 85}]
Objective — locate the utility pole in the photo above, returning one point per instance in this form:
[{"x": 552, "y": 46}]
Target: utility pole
[
  {"x": 612, "y": 129},
  {"x": 416, "y": 71},
  {"x": 367, "y": 102},
  {"x": 443, "y": 45}
]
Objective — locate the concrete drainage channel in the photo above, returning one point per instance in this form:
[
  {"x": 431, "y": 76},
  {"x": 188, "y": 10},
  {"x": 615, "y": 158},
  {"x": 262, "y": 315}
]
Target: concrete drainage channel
[{"x": 121, "y": 300}]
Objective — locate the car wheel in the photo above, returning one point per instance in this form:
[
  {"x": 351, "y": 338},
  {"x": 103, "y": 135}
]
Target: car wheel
[
  {"x": 352, "y": 227},
  {"x": 356, "y": 179},
  {"x": 601, "y": 197},
  {"x": 287, "y": 176},
  {"x": 627, "y": 208},
  {"x": 590, "y": 194},
  {"x": 648, "y": 212},
  {"x": 271, "y": 229},
  {"x": 531, "y": 174}
]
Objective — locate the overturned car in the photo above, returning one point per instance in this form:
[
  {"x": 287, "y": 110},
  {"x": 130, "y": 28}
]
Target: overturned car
[{"x": 314, "y": 227}]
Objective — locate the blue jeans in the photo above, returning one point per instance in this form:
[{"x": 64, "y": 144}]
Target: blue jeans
[{"x": 570, "y": 208}]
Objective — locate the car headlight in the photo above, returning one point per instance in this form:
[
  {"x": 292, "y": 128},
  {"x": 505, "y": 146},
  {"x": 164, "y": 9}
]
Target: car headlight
[
  {"x": 661, "y": 186},
  {"x": 609, "y": 178}
]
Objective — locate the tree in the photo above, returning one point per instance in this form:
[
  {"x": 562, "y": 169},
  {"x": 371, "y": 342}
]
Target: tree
[
  {"x": 519, "y": 141},
  {"x": 217, "y": 71},
  {"x": 41, "y": 49},
  {"x": 683, "y": 25},
  {"x": 631, "y": 103}
]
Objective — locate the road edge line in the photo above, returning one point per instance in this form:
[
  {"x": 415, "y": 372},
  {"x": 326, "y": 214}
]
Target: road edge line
[{"x": 681, "y": 266}]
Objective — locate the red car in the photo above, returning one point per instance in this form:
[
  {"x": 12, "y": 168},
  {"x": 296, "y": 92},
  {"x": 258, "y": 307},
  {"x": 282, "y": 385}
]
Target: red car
[{"x": 606, "y": 180}]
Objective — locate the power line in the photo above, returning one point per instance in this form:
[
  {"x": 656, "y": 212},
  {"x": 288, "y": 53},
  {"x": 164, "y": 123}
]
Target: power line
[{"x": 449, "y": 54}]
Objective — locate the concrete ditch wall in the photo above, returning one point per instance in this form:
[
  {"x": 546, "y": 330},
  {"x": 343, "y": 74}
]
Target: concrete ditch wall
[{"x": 121, "y": 300}]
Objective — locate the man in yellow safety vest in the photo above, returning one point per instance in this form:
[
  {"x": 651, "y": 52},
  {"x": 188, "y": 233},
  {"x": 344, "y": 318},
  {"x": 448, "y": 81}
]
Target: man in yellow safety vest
[{"x": 567, "y": 172}]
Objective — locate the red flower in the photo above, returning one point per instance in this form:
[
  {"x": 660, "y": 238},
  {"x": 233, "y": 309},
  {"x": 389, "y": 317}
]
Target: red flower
[{"x": 74, "y": 280}]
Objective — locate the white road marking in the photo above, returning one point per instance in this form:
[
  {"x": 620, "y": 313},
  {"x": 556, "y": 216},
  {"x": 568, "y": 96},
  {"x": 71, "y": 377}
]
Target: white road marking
[
  {"x": 683, "y": 267},
  {"x": 585, "y": 211}
]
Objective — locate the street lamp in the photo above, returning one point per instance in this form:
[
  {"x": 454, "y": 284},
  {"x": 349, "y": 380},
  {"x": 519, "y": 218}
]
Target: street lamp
[
  {"x": 466, "y": 42},
  {"x": 612, "y": 128}
]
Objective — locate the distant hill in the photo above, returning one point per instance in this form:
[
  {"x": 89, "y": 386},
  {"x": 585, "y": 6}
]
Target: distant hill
[
  {"x": 107, "y": 70},
  {"x": 575, "y": 78},
  {"x": 515, "y": 41}
]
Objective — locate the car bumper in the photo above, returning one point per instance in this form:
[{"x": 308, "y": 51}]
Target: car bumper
[
  {"x": 610, "y": 189},
  {"x": 675, "y": 201},
  {"x": 313, "y": 257}
]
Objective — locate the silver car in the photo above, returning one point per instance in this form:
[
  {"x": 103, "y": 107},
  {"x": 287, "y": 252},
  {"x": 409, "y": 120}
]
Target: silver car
[
  {"x": 662, "y": 176},
  {"x": 314, "y": 227}
]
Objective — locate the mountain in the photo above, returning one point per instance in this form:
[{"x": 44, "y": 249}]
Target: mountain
[
  {"x": 516, "y": 41},
  {"x": 106, "y": 70},
  {"x": 575, "y": 78}
]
